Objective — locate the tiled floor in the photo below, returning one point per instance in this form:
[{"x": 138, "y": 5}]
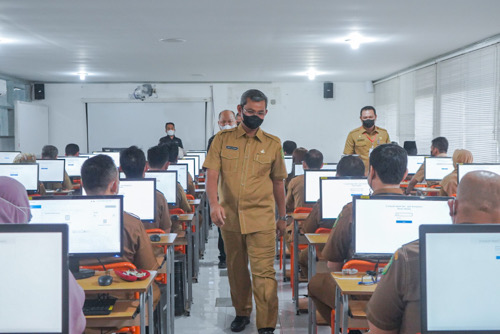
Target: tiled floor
[{"x": 207, "y": 318}]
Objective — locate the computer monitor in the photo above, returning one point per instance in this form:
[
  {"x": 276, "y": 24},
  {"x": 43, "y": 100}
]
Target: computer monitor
[
  {"x": 7, "y": 157},
  {"x": 414, "y": 163},
  {"x": 166, "y": 182},
  {"x": 197, "y": 165},
  {"x": 74, "y": 165},
  {"x": 182, "y": 170},
  {"x": 289, "y": 164},
  {"x": 26, "y": 174},
  {"x": 191, "y": 165},
  {"x": 35, "y": 279},
  {"x": 51, "y": 170},
  {"x": 113, "y": 155},
  {"x": 329, "y": 165},
  {"x": 338, "y": 191},
  {"x": 465, "y": 168},
  {"x": 299, "y": 169},
  {"x": 201, "y": 154},
  {"x": 382, "y": 224},
  {"x": 436, "y": 168},
  {"x": 311, "y": 183},
  {"x": 459, "y": 289},
  {"x": 113, "y": 149},
  {"x": 139, "y": 197}
]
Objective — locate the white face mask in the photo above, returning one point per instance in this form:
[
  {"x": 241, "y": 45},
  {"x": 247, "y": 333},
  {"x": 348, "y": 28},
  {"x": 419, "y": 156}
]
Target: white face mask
[
  {"x": 171, "y": 132},
  {"x": 227, "y": 127}
]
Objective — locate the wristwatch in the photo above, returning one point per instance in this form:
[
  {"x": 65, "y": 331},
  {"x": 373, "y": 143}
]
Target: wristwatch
[{"x": 284, "y": 218}]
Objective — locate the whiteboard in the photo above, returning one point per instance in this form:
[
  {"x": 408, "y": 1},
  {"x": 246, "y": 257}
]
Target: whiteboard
[
  {"x": 31, "y": 129},
  {"x": 125, "y": 124}
]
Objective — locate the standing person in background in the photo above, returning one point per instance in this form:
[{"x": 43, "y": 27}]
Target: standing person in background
[
  {"x": 72, "y": 150},
  {"x": 363, "y": 140},
  {"x": 245, "y": 172},
  {"x": 170, "y": 137},
  {"x": 238, "y": 119}
]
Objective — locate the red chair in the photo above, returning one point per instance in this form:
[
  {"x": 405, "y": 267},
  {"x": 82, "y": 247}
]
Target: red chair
[{"x": 160, "y": 278}]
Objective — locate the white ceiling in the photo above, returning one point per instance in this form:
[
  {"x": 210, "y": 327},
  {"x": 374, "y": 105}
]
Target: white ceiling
[{"x": 231, "y": 41}]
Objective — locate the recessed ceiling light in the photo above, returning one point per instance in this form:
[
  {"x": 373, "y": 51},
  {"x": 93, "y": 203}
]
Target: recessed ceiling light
[
  {"x": 172, "y": 40},
  {"x": 82, "y": 75},
  {"x": 311, "y": 74},
  {"x": 355, "y": 40}
]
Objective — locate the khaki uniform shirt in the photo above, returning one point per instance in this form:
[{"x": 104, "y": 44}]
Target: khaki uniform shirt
[
  {"x": 338, "y": 247},
  {"x": 181, "y": 200},
  {"x": 66, "y": 185},
  {"x": 449, "y": 184},
  {"x": 360, "y": 142},
  {"x": 396, "y": 301},
  {"x": 420, "y": 174},
  {"x": 295, "y": 196},
  {"x": 191, "y": 188},
  {"x": 162, "y": 216},
  {"x": 247, "y": 167}
]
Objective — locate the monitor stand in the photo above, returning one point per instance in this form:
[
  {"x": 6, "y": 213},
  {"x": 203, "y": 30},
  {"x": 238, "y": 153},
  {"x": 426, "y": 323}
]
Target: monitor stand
[{"x": 74, "y": 267}]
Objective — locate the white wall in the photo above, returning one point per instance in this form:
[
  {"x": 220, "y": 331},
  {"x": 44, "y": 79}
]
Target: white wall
[{"x": 300, "y": 112}]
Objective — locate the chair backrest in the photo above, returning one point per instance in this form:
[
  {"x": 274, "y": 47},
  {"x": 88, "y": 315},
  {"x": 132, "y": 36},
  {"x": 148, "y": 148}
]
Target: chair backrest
[
  {"x": 301, "y": 209},
  {"x": 323, "y": 230},
  {"x": 116, "y": 265},
  {"x": 155, "y": 231},
  {"x": 176, "y": 211},
  {"x": 362, "y": 265}
]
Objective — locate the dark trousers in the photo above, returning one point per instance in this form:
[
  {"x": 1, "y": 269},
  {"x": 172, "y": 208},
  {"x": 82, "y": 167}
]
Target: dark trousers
[{"x": 222, "y": 252}]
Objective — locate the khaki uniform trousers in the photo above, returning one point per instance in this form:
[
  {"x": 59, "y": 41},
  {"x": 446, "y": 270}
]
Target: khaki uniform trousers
[
  {"x": 322, "y": 291},
  {"x": 259, "y": 248}
]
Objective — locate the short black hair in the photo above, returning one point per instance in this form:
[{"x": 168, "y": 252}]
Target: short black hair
[
  {"x": 410, "y": 147},
  {"x": 49, "y": 152},
  {"x": 390, "y": 162},
  {"x": 441, "y": 143},
  {"x": 71, "y": 149},
  {"x": 367, "y": 108},
  {"x": 313, "y": 159},
  {"x": 158, "y": 156},
  {"x": 254, "y": 95},
  {"x": 351, "y": 165},
  {"x": 298, "y": 155},
  {"x": 97, "y": 173},
  {"x": 289, "y": 146},
  {"x": 132, "y": 162},
  {"x": 169, "y": 123}
]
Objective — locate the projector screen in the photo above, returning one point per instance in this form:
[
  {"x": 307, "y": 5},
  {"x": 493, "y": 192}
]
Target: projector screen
[{"x": 143, "y": 124}]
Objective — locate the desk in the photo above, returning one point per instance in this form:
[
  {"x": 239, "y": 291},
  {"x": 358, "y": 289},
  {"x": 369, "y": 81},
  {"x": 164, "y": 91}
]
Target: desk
[
  {"x": 347, "y": 285},
  {"x": 192, "y": 248},
  {"x": 295, "y": 258},
  {"x": 145, "y": 288},
  {"x": 169, "y": 241},
  {"x": 313, "y": 240}
]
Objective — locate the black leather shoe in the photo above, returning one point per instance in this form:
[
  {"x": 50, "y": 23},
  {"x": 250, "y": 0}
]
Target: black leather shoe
[
  {"x": 239, "y": 323},
  {"x": 266, "y": 331},
  {"x": 222, "y": 265}
]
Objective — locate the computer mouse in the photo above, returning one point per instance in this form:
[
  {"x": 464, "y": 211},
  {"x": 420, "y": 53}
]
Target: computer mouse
[
  {"x": 105, "y": 280},
  {"x": 154, "y": 238}
]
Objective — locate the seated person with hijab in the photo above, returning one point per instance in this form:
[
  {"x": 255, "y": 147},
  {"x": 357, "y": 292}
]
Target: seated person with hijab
[{"x": 449, "y": 183}]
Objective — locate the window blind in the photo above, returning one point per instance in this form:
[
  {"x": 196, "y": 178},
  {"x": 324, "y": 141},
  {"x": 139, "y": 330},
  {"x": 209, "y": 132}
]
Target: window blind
[{"x": 387, "y": 105}]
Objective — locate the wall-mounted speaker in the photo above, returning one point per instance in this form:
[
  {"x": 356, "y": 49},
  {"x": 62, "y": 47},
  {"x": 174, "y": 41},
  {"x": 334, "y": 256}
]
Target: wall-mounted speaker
[
  {"x": 39, "y": 91},
  {"x": 328, "y": 90}
]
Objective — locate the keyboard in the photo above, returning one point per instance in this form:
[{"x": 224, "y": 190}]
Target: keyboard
[{"x": 98, "y": 306}]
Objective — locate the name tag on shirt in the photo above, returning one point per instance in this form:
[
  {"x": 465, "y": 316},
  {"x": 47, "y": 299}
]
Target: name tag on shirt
[{"x": 232, "y": 148}]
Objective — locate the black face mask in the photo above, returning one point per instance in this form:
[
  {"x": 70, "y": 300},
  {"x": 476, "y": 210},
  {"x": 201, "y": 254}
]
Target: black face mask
[
  {"x": 252, "y": 122},
  {"x": 368, "y": 123}
]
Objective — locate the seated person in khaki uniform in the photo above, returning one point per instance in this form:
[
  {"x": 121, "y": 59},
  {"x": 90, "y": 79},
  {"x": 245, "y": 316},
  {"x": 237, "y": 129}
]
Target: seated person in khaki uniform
[
  {"x": 395, "y": 305},
  {"x": 24, "y": 158},
  {"x": 349, "y": 165},
  {"x": 50, "y": 152},
  {"x": 297, "y": 158},
  {"x": 387, "y": 170},
  {"x": 133, "y": 164},
  {"x": 450, "y": 182},
  {"x": 439, "y": 148},
  {"x": 72, "y": 150},
  {"x": 288, "y": 147}
]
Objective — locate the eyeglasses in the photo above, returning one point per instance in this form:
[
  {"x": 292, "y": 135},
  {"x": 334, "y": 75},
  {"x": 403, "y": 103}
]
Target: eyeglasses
[{"x": 253, "y": 112}]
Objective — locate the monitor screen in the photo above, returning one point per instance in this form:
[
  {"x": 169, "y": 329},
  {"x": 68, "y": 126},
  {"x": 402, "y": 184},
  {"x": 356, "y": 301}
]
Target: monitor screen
[
  {"x": 7, "y": 157},
  {"x": 191, "y": 165},
  {"x": 37, "y": 269},
  {"x": 51, "y": 170},
  {"x": 311, "y": 183},
  {"x": 95, "y": 222},
  {"x": 437, "y": 168},
  {"x": 465, "y": 168},
  {"x": 166, "y": 182},
  {"x": 26, "y": 174},
  {"x": 201, "y": 154},
  {"x": 414, "y": 163},
  {"x": 382, "y": 224},
  {"x": 299, "y": 169},
  {"x": 288, "y": 164},
  {"x": 139, "y": 197},
  {"x": 113, "y": 149},
  {"x": 113, "y": 155},
  {"x": 446, "y": 306},
  {"x": 329, "y": 165},
  {"x": 197, "y": 165},
  {"x": 74, "y": 165},
  {"x": 338, "y": 191},
  {"x": 182, "y": 170}
]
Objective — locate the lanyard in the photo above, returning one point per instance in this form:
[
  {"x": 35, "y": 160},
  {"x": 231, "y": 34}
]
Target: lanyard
[{"x": 372, "y": 140}]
